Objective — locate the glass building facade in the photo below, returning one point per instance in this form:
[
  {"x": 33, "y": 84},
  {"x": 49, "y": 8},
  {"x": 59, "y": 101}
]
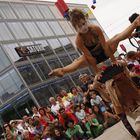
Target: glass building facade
[{"x": 24, "y": 81}]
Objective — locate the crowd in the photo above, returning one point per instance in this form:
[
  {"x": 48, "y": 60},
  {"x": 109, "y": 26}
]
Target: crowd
[{"x": 83, "y": 112}]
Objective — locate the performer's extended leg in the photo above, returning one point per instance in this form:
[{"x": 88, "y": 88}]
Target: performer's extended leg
[{"x": 127, "y": 124}]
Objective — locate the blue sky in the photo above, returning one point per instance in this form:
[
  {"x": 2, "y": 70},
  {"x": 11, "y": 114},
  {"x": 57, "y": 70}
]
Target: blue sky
[{"x": 112, "y": 14}]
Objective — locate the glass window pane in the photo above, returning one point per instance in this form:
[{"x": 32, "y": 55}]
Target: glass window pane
[
  {"x": 16, "y": 79},
  {"x": 54, "y": 43},
  {"x": 17, "y": 108},
  {"x": 46, "y": 30},
  {"x": 4, "y": 61},
  {"x": 32, "y": 29},
  {"x": 74, "y": 55},
  {"x": 6, "y": 11},
  {"x": 48, "y": 51},
  {"x": 33, "y": 10},
  {"x": 65, "y": 60},
  {"x": 42, "y": 94},
  {"x": 63, "y": 83},
  {"x": 5, "y": 33},
  {"x": 18, "y": 30},
  {"x": 11, "y": 84},
  {"x": 66, "y": 27},
  {"x": 8, "y": 113},
  {"x": 10, "y": 49},
  {"x": 54, "y": 63},
  {"x": 42, "y": 68},
  {"x": 56, "y": 12},
  {"x": 75, "y": 78},
  {"x": 59, "y": 50},
  {"x": 85, "y": 70},
  {"x": 20, "y": 11},
  {"x": 56, "y": 28},
  {"x": 29, "y": 74},
  {"x": 46, "y": 11},
  {"x": 72, "y": 39},
  {"x": 1, "y": 90},
  {"x": 67, "y": 44},
  {"x": 23, "y": 104}
]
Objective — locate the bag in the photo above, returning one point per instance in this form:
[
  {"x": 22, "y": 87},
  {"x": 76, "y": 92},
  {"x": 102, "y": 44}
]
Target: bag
[{"x": 110, "y": 72}]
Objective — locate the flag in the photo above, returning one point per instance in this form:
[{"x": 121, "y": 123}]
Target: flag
[
  {"x": 93, "y": 7},
  {"x": 123, "y": 48},
  {"x": 89, "y": 12},
  {"x": 62, "y": 6},
  {"x": 94, "y": 1}
]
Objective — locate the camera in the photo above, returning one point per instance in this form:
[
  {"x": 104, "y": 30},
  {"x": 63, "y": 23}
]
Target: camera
[{"x": 19, "y": 133}]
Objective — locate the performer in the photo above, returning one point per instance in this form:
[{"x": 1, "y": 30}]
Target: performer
[{"x": 91, "y": 41}]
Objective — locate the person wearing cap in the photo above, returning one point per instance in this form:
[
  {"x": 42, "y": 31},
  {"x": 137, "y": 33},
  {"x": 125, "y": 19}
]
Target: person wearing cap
[{"x": 133, "y": 56}]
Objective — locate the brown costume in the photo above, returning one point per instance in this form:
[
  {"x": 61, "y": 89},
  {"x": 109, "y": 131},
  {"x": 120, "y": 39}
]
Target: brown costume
[{"x": 123, "y": 93}]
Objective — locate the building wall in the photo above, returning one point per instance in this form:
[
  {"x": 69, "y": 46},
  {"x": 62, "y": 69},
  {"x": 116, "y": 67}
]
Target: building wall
[{"x": 24, "y": 82}]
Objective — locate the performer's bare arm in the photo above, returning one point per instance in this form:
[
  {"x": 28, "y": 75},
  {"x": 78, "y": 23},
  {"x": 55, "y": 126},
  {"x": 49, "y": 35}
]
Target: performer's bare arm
[{"x": 77, "y": 63}]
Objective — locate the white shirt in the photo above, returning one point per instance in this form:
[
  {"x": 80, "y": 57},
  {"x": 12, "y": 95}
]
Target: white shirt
[
  {"x": 96, "y": 101},
  {"x": 37, "y": 114},
  {"x": 66, "y": 103},
  {"x": 55, "y": 108},
  {"x": 80, "y": 115}
]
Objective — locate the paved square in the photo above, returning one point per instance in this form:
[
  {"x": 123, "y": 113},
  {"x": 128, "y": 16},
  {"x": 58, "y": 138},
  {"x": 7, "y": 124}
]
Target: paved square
[{"x": 117, "y": 132}]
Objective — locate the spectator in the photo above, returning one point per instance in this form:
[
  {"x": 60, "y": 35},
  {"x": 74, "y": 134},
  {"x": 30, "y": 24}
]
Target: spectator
[
  {"x": 63, "y": 103},
  {"x": 80, "y": 113},
  {"x": 55, "y": 106},
  {"x": 85, "y": 79},
  {"x": 63, "y": 116},
  {"x": 74, "y": 132},
  {"x": 106, "y": 118},
  {"x": 77, "y": 96},
  {"x": 93, "y": 127},
  {"x": 31, "y": 127},
  {"x": 59, "y": 135},
  {"x": 45, "y": 120},
  {"x": 35, "y": 111},
  {"x": 65, "y": 96},
  {"x": 97, "y": 100}
]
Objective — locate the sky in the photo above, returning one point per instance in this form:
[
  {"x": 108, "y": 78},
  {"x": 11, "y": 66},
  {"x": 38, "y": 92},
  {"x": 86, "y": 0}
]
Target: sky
[{"x": 112, "y": 15}]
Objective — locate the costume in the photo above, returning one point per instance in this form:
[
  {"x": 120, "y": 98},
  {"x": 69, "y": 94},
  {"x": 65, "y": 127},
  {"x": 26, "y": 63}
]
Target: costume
[
  {"x": 95, "y": 48},
  {"x": 123, "y": 93}
]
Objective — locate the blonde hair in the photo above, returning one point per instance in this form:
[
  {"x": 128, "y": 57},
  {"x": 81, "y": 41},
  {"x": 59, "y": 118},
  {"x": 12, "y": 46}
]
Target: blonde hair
[{"x": 76, "y": 15}]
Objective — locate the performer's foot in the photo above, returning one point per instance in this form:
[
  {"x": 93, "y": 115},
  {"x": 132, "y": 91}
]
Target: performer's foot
[{"x": 138, "y": 138}]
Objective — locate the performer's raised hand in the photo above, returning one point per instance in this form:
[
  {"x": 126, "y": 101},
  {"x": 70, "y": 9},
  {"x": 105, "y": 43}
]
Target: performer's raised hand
[{"x": 57, "y": 72}]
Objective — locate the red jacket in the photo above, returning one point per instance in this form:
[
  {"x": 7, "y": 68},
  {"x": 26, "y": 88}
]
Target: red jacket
[{"x": 69, "y": 116}]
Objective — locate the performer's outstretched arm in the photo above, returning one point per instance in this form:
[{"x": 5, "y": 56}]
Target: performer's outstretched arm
[{"x": 77, "y": 63}]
